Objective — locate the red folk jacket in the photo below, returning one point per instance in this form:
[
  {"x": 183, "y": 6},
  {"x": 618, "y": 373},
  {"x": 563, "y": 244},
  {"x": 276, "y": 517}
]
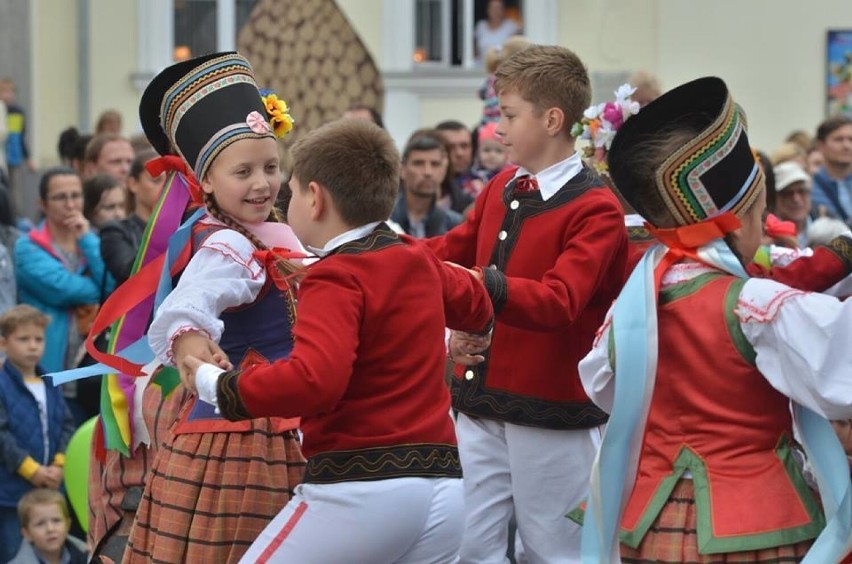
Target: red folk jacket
[{"x": 552, "y": 270}]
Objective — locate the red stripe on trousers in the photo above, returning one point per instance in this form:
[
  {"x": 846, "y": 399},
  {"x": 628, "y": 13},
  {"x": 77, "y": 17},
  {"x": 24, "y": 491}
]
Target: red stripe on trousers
[{"x": 283, "y": 533}]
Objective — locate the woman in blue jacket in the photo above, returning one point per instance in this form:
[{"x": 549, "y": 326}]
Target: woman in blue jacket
[{"x": 59, "y": 268}]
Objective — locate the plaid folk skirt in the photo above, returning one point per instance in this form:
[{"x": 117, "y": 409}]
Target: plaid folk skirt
[
  {"x": 209, "y": 495},
  {"x": 673, "y": 538}
]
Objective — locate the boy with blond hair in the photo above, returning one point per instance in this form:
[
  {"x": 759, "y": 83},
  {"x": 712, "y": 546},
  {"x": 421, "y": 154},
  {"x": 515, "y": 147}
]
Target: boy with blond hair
[
  {"x": 366, "y": 375},
  {"x": 547, "y": 238},
  {"x": 35, "y": 424},
  {"x": 45, "y": 521}
]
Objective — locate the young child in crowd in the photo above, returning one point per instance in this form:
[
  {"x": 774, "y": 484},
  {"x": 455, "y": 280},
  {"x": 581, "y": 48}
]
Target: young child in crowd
[
  {"x": 547, "y": 237},
  {"x": 493, "y": 57},
  {"x": 491, "y": 157},
  {"x": 35, "y": 423},
  {"x": 367, "y": 369},
  {"x": 215, "y": 484},
  {"x": 45, "y": 521},
  {"x": 697, "y": 461}
]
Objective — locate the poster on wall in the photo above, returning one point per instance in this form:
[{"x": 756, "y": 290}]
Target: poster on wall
[{"x": 839, "y": 72}]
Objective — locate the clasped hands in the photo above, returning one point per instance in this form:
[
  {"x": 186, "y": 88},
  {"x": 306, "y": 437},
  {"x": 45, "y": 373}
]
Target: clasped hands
[
  {"x": 48, "y": 477},
  {"x": 466, "y": 348},
  {"x": 192, "y": 349}
]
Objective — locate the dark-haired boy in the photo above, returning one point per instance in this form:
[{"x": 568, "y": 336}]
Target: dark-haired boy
[{"x": 366, "y": 373}]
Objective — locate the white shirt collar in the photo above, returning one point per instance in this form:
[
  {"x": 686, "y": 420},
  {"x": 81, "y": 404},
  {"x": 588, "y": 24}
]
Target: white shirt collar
[
  {"x": 554, "y": 177},
  {"x": 343, "y": 238},
  {"x": 634, "y": 220}
]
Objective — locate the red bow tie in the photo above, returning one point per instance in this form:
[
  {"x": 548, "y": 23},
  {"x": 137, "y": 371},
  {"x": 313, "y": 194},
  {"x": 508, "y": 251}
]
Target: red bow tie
[{"x": 526, "y": 183}]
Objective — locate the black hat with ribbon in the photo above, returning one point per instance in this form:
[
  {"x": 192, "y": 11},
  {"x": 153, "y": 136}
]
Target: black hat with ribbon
[
  {"x": 710, "y": 174},
  {"x": 197, "y": 108}
]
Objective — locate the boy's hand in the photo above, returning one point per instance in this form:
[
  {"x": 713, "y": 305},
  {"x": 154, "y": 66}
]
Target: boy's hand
[
  {"x": 56, "y": 474},
  {"x": 187, "y": 372},
  {"x": 475, "y": 272},
  {"x": 465, "y": 348},
  {"x": 44, "y": 478},
  {"x": 202, "y": 349}
]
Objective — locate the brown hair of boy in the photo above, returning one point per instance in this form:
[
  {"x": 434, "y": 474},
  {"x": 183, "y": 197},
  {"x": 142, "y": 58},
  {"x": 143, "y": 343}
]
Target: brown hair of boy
[
  {"x": 357, "y": 162},
  {"x": 40, "y": 496},
  {"x": 547, "y": 76},
  {"x": 21, "y": 315}
]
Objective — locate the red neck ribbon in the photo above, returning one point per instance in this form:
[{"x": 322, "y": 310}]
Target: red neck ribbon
[{"x": 684, "y": 242}]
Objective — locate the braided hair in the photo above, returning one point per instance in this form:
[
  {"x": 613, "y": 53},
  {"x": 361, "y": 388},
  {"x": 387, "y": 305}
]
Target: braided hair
[{"x": 286, "y": 267}]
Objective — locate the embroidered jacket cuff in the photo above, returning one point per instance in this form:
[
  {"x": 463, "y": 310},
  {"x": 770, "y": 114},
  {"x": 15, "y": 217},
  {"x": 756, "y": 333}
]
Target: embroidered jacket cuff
[
  {"x": 230, "y": 402},
  {"x": 59, "y": 460},
  {"x": 489, "y": 328},
  {"x": 497, "y": 286},
  {"x": 28, "y": 468},
  {"x": 842, "y": 247}
]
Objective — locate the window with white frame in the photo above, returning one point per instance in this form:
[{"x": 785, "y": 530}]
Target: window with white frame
[
  {"x": 207, "y": 26},
  {"x": 447, "y": 31}
]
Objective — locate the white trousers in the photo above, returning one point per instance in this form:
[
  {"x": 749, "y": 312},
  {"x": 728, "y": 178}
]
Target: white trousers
[
  {"x": 405, "y": 520},
  {"x": 540, "y": 474}
]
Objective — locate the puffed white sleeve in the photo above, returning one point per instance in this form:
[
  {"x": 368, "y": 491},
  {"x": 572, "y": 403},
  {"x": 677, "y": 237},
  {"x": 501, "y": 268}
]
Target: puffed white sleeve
[
  {"x": 221, "y": 274},
  {"x": 802, "y": 344},
  {"x": 596, "y": 372}
]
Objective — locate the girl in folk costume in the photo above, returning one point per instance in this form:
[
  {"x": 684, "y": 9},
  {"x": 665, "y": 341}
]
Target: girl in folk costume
[
  {"x": 215, "y": 484},
  {"x": 697, "y": 461},
  {"x": 598, "y": 128}
]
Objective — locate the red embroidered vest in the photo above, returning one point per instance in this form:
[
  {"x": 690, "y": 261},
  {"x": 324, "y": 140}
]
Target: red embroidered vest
[{"x": 714, "y": 415}]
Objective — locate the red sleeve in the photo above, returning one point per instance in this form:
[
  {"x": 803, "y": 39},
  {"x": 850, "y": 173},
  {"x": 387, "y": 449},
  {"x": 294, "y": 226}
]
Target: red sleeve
[
  {"x": 459, "y": 244},
  {"x": 318, "y": 371},
  {"x": 467, "y": 306},
  {"x": 817, "y": 273},
  {"x": 594, "y": 252}
]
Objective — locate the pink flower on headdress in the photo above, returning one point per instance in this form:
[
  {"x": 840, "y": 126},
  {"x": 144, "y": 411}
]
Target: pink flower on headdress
[
  {"x": 258, "y": 123},
  {"x": 613, "y": 114},
  {"x": 600, "y": 123}
]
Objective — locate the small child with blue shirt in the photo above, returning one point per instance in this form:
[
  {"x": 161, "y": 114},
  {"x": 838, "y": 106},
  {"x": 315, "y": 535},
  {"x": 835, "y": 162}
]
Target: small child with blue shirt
[{"x": 35, "y": 423}]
